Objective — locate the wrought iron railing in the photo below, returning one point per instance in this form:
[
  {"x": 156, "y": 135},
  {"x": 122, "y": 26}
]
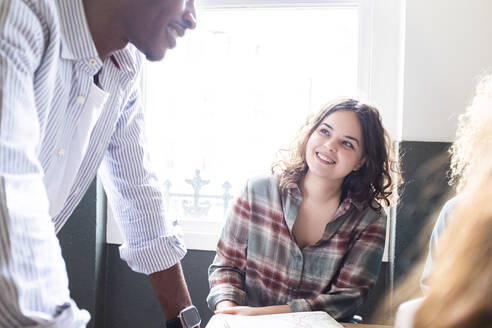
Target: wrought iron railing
[{"x": 197, "y": 204}]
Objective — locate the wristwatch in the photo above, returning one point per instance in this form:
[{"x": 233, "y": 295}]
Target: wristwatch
[{"x": 187, "y": 318}]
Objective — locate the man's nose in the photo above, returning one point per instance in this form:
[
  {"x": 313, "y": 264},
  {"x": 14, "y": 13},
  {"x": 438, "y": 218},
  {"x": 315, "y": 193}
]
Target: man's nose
[{"x": 190, "y": 14}]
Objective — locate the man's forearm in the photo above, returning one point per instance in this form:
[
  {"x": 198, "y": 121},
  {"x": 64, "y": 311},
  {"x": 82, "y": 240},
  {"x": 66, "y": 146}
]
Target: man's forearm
[{"x": 171, "y": 291}]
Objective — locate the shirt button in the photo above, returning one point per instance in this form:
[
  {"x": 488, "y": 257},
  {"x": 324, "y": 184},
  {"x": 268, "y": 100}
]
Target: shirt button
[
  {"x": 92, "y": 62},
  {"x": 80, "y": 100},
  {"x": 61, "y": 152}
]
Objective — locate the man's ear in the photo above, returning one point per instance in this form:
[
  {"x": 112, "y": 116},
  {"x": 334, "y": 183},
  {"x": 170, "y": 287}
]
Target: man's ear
[{"x": 360, "y": 164}]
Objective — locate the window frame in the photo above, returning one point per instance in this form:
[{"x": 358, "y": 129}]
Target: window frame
[{"x": 386, "y": 18}]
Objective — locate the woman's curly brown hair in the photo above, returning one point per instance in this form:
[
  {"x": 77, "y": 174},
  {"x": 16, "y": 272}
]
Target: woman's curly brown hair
[{"x": 373, "y": 183}]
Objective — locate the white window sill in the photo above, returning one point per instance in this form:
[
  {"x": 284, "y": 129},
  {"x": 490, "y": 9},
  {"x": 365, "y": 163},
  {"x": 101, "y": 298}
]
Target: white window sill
[{"x": 197, "y": 234}]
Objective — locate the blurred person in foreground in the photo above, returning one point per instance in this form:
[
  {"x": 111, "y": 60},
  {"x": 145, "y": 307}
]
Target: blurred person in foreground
[
  {"x": 460, "y": 282},
  {"x": 464, "y": 160}
]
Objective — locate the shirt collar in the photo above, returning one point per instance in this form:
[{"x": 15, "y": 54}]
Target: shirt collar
[
  {"x": 129, "y": 60},
  {"x": 77, "y": 42},
  {"x": 295, "y": 191}
]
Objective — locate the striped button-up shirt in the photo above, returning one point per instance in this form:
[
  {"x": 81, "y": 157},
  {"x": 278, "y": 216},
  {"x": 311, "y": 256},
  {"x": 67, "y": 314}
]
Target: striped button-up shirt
[
  {"x": 259, "y": 263},
  {"x": 57, "y": 130}
]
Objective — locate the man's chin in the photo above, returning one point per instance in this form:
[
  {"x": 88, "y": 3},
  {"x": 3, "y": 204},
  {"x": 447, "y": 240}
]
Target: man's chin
[
  {"x": 155, "y": 56},
  {"x": 155, "y": 53}
]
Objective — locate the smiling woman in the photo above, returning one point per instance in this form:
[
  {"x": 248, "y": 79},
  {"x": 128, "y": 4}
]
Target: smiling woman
[
  {"x": 334, "y": 150},
  {"x": 310, "y": 237}
]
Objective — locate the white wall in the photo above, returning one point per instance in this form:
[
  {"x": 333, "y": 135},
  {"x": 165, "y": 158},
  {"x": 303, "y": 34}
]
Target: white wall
[
  {"x": 386, "y": 60},
  {"x": 447, "y": 48}
]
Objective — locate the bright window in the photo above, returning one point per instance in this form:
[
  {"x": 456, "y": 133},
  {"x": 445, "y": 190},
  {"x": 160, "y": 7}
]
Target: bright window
[
  {"x": 236, "y": 89},
  {"x": 233, "y": 92}
]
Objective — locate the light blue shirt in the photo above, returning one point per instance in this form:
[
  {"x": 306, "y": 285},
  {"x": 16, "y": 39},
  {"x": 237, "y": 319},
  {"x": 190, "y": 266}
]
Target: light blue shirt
[
  {"x": 439, "y": 226},
  {"x": 57, "y": 130}
]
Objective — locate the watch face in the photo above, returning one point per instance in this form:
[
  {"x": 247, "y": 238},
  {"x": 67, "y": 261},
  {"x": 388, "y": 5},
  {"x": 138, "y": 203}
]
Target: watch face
[{"x": 190, "y": 317}]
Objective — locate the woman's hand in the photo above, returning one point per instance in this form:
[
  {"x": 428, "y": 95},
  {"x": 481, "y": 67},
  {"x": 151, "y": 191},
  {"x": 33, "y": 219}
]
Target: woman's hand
[
  {"x": 250, "y": 310},
  {"x": 224, "y": 305},
  {"x": 241, "y": 310}
]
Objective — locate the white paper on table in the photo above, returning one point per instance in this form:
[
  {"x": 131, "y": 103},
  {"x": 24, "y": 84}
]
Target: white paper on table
[{"x": 317, "y": 319}]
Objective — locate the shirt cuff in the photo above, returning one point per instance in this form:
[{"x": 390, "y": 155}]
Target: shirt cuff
[
  {"x": 299, "y": 305},
  {"x": 225, "y": 293},
  {"x": 155, "y": 255},
  {"x": 70, "y": 317}
]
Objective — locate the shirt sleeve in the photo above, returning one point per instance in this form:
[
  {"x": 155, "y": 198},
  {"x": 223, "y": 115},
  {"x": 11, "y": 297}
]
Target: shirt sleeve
[
  {"x": 357, "y": 275},
  {"x": 226, "y": 274},
  {"x": 151, "y": 243},
  {"x": 33, "y": 280}
]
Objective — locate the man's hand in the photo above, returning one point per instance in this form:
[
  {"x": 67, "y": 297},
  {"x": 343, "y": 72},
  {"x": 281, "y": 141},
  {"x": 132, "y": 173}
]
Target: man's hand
[
  {"x": 170, "y": 288},
  {"x": 250, "y": 310}
]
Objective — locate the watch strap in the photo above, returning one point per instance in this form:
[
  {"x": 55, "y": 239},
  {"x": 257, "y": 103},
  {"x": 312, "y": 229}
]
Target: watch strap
[{"x": 174, "y": 323}]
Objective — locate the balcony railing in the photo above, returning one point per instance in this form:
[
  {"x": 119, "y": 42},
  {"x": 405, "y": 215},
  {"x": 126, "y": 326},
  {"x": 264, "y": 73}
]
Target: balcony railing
[{"x": 196, "y": 204}]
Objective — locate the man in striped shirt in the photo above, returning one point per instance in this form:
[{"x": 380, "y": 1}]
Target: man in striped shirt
[{"x": 70, "y": 108}]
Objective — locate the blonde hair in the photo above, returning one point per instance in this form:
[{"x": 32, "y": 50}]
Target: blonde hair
[{"x": 474, "y": 128}]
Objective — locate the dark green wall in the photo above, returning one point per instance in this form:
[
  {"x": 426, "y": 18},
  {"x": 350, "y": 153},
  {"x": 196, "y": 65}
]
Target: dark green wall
[
  {"x": 425, "y": 167},
  {"x": 82, "y": 240},
  {"x": 130, "y": 299}
]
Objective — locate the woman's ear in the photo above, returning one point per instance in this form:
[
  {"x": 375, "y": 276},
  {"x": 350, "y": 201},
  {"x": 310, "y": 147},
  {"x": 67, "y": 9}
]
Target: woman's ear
[{"x": 360, "y": 164}]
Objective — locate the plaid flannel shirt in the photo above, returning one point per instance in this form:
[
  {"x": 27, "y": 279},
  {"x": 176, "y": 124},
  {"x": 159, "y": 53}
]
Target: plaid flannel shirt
[{"x": 258, "y": 262}]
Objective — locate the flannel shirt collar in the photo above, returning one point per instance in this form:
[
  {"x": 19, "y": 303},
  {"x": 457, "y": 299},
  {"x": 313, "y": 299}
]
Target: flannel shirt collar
[{"x": 293, "y": 189}]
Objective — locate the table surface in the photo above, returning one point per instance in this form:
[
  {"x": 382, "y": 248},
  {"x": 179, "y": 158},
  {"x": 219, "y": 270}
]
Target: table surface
[
  {"x": 361, "y": 325},
  {"x": 224, "y": 320}
]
